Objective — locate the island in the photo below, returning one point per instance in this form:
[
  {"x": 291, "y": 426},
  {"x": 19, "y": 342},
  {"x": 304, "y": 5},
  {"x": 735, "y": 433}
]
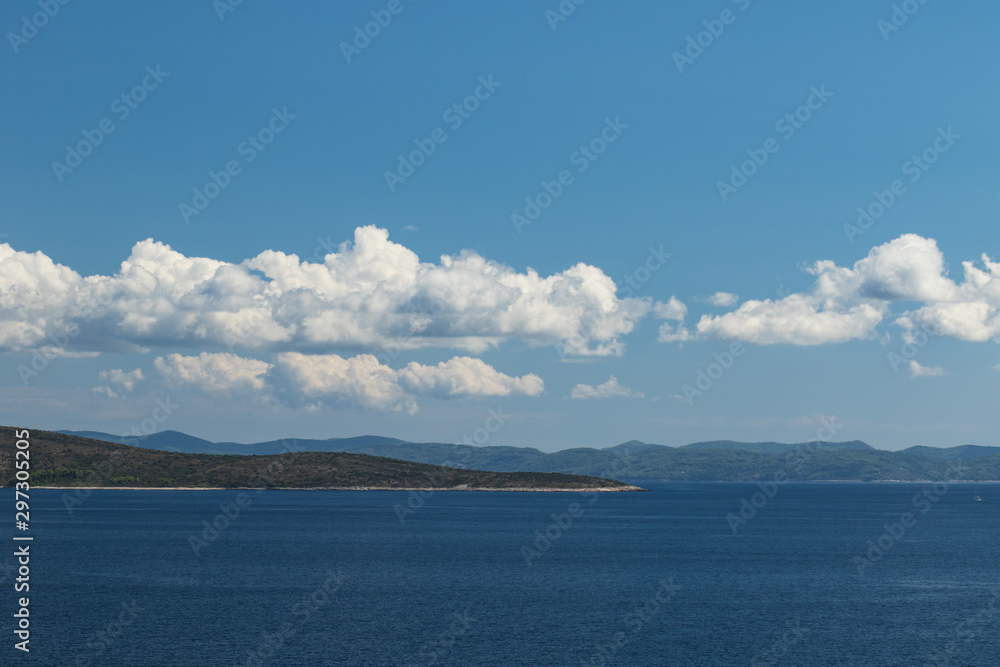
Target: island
[{"x": 59, "y": 460}]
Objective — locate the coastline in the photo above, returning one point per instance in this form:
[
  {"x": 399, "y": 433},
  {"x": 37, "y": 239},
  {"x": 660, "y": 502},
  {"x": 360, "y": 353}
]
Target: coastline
[
  {"x": 826, "y": 481},
  {"x": 593, "y": 489},
  {"x": 630, "y": 488}
]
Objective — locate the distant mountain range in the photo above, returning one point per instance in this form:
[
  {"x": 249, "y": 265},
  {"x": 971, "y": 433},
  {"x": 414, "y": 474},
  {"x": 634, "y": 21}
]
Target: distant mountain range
[{"x": 717, "y": 460}]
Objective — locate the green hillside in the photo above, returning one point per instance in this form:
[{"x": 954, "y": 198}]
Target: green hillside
[
  {"x": 717, "y": 460},
  {"x": 66, "y": 460}
]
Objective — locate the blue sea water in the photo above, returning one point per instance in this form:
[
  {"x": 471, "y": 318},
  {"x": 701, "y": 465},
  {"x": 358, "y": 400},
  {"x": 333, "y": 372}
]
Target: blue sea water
[{"x": 659, "y": 578}]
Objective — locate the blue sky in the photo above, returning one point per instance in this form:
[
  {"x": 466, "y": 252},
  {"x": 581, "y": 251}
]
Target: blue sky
[{"x": 813, "y": 343}]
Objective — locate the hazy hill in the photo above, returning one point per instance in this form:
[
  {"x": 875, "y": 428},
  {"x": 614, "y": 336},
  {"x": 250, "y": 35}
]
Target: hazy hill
[
  {"x": 962, "y": 452},
  {"x": 775, "y": 447},
  {"x": 721, "y": 460},
  {"x": 175, "y": 441}
]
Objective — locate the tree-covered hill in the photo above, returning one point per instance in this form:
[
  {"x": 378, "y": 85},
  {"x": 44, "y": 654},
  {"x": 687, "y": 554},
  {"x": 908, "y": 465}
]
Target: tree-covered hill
[{"x": 66, "y": 460}]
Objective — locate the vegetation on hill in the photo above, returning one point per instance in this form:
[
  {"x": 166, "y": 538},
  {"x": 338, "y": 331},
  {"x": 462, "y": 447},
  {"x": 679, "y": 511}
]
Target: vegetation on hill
[
  {"x": 66, "y": 460},
  {"x": 720, "y": 460}
]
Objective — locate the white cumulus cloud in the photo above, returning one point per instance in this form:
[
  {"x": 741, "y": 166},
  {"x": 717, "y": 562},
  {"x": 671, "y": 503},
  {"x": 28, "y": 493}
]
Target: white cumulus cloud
[
  {"x": 219, "y": 373},
  {"x": 798, "y": 319},
  {"x": 604, "y": 390},
  {"x": 464, "y": 376},
  {"x": 300, "y": 380},
  {"x": 673, "y": 309},
  {"x": 917, "y": 371},
  {"x": 723, "y": 299},
  {"x": 849, "y": 303},
  {"x": 371, "y": 294},
  {"x": 118, "y": 382}
]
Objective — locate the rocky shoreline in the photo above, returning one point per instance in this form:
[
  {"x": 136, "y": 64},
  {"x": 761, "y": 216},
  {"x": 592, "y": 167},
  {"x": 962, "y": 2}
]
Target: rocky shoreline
[{"x": 595, "y": 489}]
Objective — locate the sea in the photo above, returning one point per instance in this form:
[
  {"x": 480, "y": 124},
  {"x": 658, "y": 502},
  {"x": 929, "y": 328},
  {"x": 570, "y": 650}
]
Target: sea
[{"x": 855, "y": 574}]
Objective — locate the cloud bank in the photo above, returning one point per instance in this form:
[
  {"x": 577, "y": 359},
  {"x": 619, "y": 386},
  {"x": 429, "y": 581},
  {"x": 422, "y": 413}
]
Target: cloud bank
[
  {"x": 370, "y": 295},
  {"x": 376, "y": 296},
  {"x": 294, "y": 379},
  {"x": 849, "y": 303}
]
